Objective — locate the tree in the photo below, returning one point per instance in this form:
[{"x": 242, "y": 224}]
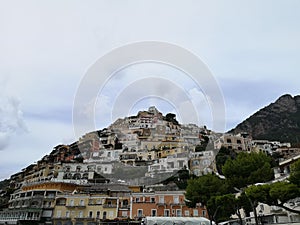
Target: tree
[
  {"x": 203, "y": 190},
  {"x": 248, "y": 168},
  {"x": 295, "y": 173},
  {"x": 171, "y": 117},
  {"x": 277, "y": 194},
  {"x": 228, "y": 205},
  {"x": 222, "y": 156}
]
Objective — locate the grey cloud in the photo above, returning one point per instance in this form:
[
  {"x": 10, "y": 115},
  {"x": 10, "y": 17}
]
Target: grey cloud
[{"x": 11, "y": 120}]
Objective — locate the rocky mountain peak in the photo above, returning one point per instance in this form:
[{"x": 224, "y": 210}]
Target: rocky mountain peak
[
  {"x": 285, "y": 103},
  {"x": 278, "y": 121}
]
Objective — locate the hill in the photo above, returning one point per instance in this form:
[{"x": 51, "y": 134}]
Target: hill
[{"x": 278, "y": 121}]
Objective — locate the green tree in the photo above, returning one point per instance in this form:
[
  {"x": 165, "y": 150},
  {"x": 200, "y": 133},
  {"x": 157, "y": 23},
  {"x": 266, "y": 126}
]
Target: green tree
[
  {"x": 248, "y": 168},
  {"x": 171, "y": 117},
  {"x": 223, "y": 155},
  {"x": 228, "y": 205},
  {"x": 295, "y": 173},
  {"x": 277, "y": 194},
  {"x": 203, "y": 190}
]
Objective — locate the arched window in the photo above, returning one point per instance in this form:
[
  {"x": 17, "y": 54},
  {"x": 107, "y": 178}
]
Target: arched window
[
  {"x": 85, "y": 176},
  {"x": 67, "y": 176},
  {"x": 76, "y": 176}
]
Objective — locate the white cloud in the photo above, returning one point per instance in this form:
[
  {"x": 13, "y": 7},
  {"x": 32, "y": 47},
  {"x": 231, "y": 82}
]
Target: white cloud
[
  {"x": 46, "y": 48},
  {"x": 11, "y": 119}
]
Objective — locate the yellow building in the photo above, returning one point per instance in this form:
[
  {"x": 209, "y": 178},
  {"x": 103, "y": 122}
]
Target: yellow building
[
  {"x": 83, "y": 209},
  {"x": 34, "y": 202}
]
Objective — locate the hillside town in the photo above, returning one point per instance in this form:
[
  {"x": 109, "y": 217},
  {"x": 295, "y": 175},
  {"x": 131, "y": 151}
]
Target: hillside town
[{"x": 128, "y": 171}]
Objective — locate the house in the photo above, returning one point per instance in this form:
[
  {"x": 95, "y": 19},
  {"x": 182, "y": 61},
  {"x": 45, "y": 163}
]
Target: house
[
  {"x": 240, "y": 142},
  {"x": 163, "y": 203},
  {"x": 34, "y": 203}
]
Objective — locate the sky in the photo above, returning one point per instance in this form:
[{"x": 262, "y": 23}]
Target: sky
[{"x": 251, "y": 51}]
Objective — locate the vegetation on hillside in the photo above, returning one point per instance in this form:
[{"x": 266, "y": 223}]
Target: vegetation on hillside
[{"x": 242, "y": 174}]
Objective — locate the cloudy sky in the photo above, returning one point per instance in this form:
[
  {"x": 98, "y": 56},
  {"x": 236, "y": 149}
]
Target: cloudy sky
[{"x": 47, "y": 48}]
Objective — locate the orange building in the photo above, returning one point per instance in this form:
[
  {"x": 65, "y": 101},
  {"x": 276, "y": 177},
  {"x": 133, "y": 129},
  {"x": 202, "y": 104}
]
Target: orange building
[{"x": 163, "y": 203}]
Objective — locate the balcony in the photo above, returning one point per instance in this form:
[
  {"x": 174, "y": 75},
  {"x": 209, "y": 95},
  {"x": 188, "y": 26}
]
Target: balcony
[
  {"x": 50, "y": 197},
  {"x": 84, "y": 218},
  {"x": 47, "y": 207},
  {"x": 77, "y": 206},
  {"x": 161, "y": 203},
  {"x": 176, "y": 203},
  {"x": 109, "y": 206}
]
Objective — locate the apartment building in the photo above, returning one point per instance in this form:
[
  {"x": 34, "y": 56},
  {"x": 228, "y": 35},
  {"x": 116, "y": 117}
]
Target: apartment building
[
  {"x": 34, "y": 203},
  {"x": 84, "y": 209},
  {"x": 170, "y": 164},
  {"x": 202, "y": 162},
  {"x": 91, "y": 204},
  {"x": 163, "y": 203},
  {"x": 240, "y": 142},
  {"x": 82, "y": 173}
]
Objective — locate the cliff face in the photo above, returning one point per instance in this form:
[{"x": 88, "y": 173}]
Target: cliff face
[{"x": 278, "y": 121}]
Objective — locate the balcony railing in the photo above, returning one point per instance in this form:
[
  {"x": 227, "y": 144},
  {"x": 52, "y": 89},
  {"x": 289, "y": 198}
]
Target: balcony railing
[
  {"x": 177, "y": 203},
  {"x": 78, "y": 206},
  {"x": 109, "y": 206},
  {"x": 84, "y": 218}
]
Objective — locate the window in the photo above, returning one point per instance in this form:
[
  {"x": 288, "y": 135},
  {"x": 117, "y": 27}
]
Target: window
[
  {"x": 137, "y": 199},
  {"x": 228, "y": 140},
  {"x": 139, "y": 212},
  {"x": 104, "y": 215},
  {"x": 152, "y": 200},
  {"x": 72, "y": 202},
  {"x": 203, "y": 213},
  {"x": 67, "y": 214},
  {"x": 81, "y": 202},
  {"x": 111, "y": 214},
  {"x": 90, "y": 214},
  {"x": 98, "y": 214},
  {"x": 153, "y": 212},
  {"x": 161, "y": 199},
  {"x": 58, "y": 213},
  {"x": 124, "y": 213},
  {"x": 166, "y": 212},
  {"x": 176, "y": 199},
  {"x": 186, "y": 213},
  {"x": 195, "y": 212},
  {"x": 178, "y": 212},
  {"x": 80, "y": 214},
  {"x": 238, "y": 141},
  {"x": 99, "y": 202}
]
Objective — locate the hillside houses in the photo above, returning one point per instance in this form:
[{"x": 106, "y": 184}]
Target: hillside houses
[
  {"x": 59, "y": 203},
  {"x": 111, "y": 173}
]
